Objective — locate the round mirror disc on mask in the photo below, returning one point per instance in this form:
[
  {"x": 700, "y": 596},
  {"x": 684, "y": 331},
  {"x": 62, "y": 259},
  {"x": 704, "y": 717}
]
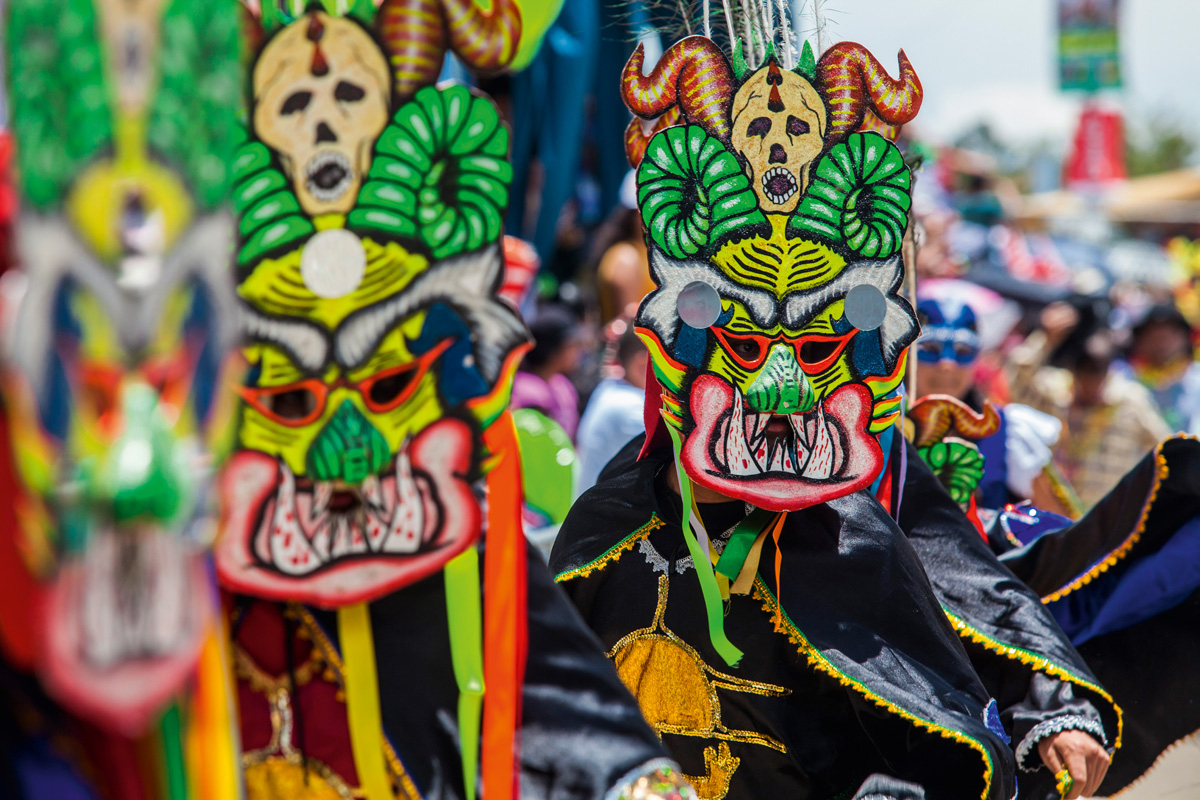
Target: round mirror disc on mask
[
  {"x": 865, "y": 307},
  {"x": 333, "y": 263},
  {"x": 699, "y": 305}
]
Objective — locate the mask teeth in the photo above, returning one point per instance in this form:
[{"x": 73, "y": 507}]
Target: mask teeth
[
  {"x": 322, "y": 492},
  {"x": 777, "y": 457},
  {"x": 290, "y": 550},
  {"x": 372, "y": 493},
  {"x": 737, "y": 452},
  {"x": 408, "y": 520},
  {"x": 820, "y": 463},
  {"x": 800, "y": 440}
]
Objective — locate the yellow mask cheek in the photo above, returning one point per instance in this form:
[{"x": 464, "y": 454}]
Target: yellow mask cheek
[
  {"x": 258, "y": 432},
  {"x": 413, "y": 416}
]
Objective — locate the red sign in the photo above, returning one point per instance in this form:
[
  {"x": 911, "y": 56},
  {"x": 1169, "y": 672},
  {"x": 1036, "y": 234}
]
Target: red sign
[{"x": 1098, "y": 153}]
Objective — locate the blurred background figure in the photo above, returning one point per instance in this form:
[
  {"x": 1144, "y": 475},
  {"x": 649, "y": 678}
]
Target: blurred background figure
[
  {"x": 545, "y": 379},
  {"x": 622, "y": 269},
  {"x": 1110, "y": 420},
  {"x": 1161, "y": 358},
  {"x": 614, "y": 412},
  {"x": 1018, "y": 458}
]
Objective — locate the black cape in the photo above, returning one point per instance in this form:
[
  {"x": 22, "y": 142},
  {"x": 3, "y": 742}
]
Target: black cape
[
  {"x": 581, "y": 730},
  {"x": 863, "y": 675},
  {"x": 1041, "y": 684},
  {"x": 1122, "y": 581}
]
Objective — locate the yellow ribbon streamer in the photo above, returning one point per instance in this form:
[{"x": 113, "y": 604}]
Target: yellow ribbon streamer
[{"x": 362, "y": 700}]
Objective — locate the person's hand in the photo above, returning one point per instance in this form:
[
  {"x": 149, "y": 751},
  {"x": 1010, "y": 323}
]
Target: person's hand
[
  {"x": 1058, "y": 320},
  {"x": 1083, "y": 757}
]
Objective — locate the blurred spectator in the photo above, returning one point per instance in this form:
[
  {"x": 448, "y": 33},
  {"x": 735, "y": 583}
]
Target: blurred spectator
[
  {"x": 1161, "y": 358},
  {"x": 544, "y": 381},
  {"x": 1110, "y": 421},
  {"x": 622, "y": 271},
  {"x": 1018, "y": 457},
  {"x": 614, "y": 413}
]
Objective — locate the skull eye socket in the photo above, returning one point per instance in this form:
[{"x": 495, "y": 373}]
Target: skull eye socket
[
  {"x": 759, "y": 127},
  {"x": 796, "y": 127},
  {"x": 296, "y": 102},
  {"x": 347, "y": 92}
]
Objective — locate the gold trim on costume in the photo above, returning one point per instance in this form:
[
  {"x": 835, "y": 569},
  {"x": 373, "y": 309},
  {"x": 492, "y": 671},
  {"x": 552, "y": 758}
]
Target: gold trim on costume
[
  {"x": 400, "y": 777},
  {"x": 818, "y": 660},
  {"x": 1037, "y": 662},
  {"x": 613, "y": 553},
  {"x": 1123, "y": 549}
]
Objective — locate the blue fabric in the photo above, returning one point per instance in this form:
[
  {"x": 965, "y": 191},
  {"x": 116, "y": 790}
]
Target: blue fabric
[
  {"x": 1148, "y": 587},
  {"x": 42, "y": 773},
  {"x": 549, "y": 99},
  {"x": 993, "y": 489}
]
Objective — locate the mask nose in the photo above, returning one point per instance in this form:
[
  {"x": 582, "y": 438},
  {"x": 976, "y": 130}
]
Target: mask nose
[
  {"x": 138, "y": 479},
  {"x": 348, "y": 448},
  {"x": 325, "y": 133},
  {"x": 780, "y": 387},
  {"x": 778, "y": 154}
]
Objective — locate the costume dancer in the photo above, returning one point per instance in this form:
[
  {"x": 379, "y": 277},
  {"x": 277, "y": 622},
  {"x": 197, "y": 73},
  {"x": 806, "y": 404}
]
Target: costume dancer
[
  {"x": 393, "y": 635},
  {"x": 114, "y": 677},
  {"x": 777, "y": 337}
]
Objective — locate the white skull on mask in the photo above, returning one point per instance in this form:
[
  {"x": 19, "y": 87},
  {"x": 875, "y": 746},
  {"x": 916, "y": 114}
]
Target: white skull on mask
[
  {"x": 778, "y": 128},
  {"x": 322, "y": 91}
]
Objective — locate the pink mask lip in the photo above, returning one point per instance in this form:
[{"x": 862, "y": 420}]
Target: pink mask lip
[
  {"x": 440, "y": 456},
  {"x": 848, "y": 410},
  {"x": 125, "y": 698}
]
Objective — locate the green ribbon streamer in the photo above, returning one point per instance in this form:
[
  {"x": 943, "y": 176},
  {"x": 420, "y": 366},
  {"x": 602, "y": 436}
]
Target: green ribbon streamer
[
  {"x": 170, "y": 727},
  {"x": 466, "y": 653},
  {"x": 700, "y": 559},
  {"x": 741, "y": 541}
]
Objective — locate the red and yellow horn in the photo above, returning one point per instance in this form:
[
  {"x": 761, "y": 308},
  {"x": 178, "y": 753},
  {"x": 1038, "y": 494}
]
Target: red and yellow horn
[
  {"x": 856, "y": 85},
  {"x": 937, "y": 416},
  {"x": 417, "y": 33},
  {"x": 636, "y": 139},
  {"x": 693, "y": 75}
]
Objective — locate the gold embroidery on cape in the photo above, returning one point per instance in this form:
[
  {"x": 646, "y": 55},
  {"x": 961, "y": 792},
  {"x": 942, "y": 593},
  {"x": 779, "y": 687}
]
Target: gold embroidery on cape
[
  {"x": 719, "y": 766},
  {"x": 279, "y": 770},
  {"x": 677, "y": 693}
]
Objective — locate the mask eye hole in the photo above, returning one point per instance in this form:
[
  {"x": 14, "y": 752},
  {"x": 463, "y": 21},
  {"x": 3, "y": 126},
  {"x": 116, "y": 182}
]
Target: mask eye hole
[
  {"x": 964, "y": 351},
  {"x": 386, "y": 391},
  {"x": 347, "y": 92},
  {"x": 931, "y": 347},
  {"x": 816, "y": 351},
  {"x": 748, "y": 349},
  {"x": 759, "y": 127},
  {"x": 296, "y": 102},
  {"x": 295, "y": 404},
  {"x": 796, "y": 127}
]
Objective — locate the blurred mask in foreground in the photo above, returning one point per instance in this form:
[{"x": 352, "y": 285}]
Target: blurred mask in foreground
[{"x": 117, "y": 324}]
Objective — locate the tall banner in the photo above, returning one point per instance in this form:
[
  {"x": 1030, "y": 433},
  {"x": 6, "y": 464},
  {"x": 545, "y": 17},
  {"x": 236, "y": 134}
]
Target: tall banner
[{"x": 1088, "y": 57}]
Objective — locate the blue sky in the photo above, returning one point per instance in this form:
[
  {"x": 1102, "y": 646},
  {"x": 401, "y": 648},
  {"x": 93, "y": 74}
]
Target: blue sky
[{"x": 995, "y": 59}]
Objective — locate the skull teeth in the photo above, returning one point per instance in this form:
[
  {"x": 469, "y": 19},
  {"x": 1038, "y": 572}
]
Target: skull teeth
[
  {"x": 328, "y": 175},
  {"x": 771, "y": 183}
]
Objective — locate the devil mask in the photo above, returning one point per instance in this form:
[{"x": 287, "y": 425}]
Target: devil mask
[
  {"x": 370, "y": 210},
  {"x": 116, "y": 328},
  {"x": 774, "y": 213}
]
